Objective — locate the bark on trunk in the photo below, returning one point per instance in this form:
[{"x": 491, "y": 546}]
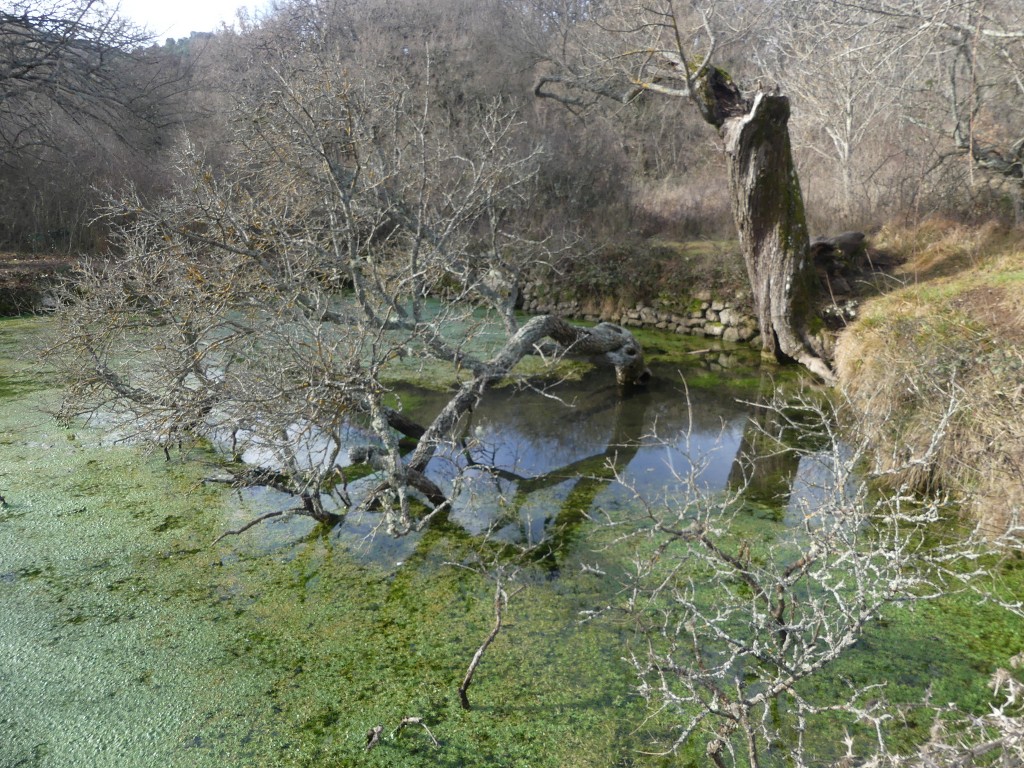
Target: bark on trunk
[
  {"x": 769, "y": 212},
  {"x": 766, "y": 200}
]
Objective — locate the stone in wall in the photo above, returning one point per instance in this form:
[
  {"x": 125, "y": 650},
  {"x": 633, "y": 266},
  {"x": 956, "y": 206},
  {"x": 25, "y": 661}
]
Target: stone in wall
[{"x": 710, "y": 316}]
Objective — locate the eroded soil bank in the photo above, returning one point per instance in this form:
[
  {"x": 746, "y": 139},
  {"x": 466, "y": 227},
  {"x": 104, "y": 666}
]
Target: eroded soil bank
[{"x": 937, "y": 359}]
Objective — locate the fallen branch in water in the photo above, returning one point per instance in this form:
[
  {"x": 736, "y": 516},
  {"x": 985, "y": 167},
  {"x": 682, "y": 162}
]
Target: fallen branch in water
[
  {"x": 415, "y": 721},
  {"x": 373, "y": 736},
  {"x": 374, "y": 457},
  {"x": 252, "y": 524},
  {"x": 500, "y": 603}
]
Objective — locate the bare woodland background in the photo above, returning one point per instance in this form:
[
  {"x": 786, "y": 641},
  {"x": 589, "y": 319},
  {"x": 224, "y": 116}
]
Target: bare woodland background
[{"x": 887, "y": 99}]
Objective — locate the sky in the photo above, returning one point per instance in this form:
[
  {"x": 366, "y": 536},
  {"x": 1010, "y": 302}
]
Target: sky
[{"x": 179, "y": 18}]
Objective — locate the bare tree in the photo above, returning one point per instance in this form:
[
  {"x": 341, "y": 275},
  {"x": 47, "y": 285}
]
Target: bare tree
[
  {"x": 81, "y": 102},
  {"x": 846, "y": 79},
  {"x": 355, "y": 233},
  {"x": 954, "y": 71},
  {"x": 62, "y": 55},
  {"x": 985, "y": 70},
  {"x": 669, "y": 49},
  {"x": 730, "y": 630}
]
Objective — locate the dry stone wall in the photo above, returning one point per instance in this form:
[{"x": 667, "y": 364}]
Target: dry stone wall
[{"x": 703, "y": 314}]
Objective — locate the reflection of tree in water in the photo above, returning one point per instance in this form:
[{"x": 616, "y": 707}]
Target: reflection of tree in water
[
  {"x": 531, "y": 466},
  {"x": 528, "y": 481},
  {"x": 583, "y": 480},
  {"x": 764, "y": 467},
  {"x": 767, "y": 463},
  {"x": 534, "y": 432}
]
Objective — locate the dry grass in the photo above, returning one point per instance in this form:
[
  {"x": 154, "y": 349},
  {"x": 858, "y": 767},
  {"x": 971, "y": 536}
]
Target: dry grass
[
  {"x": 952, "y": 336},
  {"x": 651, "y": 270},
  {"x": 698, "y": 207}
]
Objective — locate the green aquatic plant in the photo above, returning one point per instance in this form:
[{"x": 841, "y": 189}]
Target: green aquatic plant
[
  {"x": 133, "y": 640},
  {"x": 739, "y": 631}
]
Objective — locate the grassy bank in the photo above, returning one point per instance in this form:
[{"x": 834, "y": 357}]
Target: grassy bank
[{"x": 935, "y": 364}]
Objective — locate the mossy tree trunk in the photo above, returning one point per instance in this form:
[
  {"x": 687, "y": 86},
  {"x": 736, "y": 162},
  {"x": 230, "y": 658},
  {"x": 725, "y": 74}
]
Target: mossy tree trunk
[
  {"x": 769, "y": 212},
  {"x": 768, "y": 209},
  {"x": 766, "y": 201}
]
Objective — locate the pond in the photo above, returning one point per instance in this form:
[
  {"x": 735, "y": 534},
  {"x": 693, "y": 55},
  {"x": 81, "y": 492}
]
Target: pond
[{"x": 127, "y": 638}]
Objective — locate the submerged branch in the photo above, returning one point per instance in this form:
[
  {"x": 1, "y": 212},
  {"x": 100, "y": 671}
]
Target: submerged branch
[
  {"x": 415, "y": 721},
  {"x": 253, "y": 524},
  {"x": 500, "y": 603}
]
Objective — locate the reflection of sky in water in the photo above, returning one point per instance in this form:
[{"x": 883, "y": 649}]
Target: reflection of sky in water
[
  {"x": 655, "y": 466},
  {"x": 648, "y": 437},
  {"x": 558, "y": 454},
  {"x": 816, "y": 487},
  {"x": 308, "y": 446}
]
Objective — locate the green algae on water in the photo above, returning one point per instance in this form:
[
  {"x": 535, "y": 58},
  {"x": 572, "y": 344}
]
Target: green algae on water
[
  {"x": 134, "y": 642},
  {"x": 127, "y": 638}
]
